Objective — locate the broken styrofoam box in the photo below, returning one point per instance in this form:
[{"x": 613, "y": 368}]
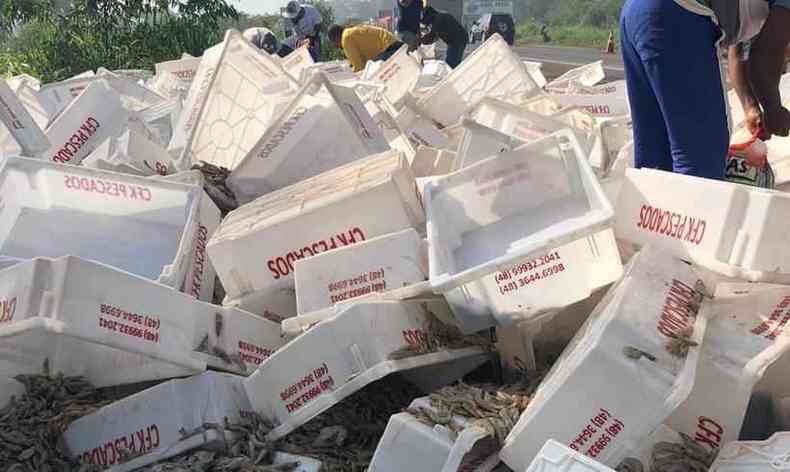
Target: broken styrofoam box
[
  {"x": 745, "y": 335},
  {"x": 728, "y": 228},
  {"x": 139, "y": 225},
  {"x": 295, "y": 62},
  {"x": 132, "y": 152},
  {"x": 338, "y": 208},
  {"x": 492, "y": 70},
  {"x": 406, "y": 438},
  {"x": 95, "y": 115},
  {"x": 383, "y": 263},
  {"x": 344, "y": 354},
  {"x": 114, "y": 328},
  {"x": 481, "y": 142},
  {"x": 323, "y": 127},
  {"x": 755, "y": 456},
  {"x": 535, "y": 70},
  {"x": 399, "y": 74},
  {"x": 580, "y": 77},
  {"x": 619, "y": 379},
  {"x": 557, "y": 457},
  {"x": 164, "y": 421},
  {"x": 20, "y": 124},
  {"x": 510, "y": 211},
  {"x": 601, "y": 101},
  {"x": 235, "y": 96}
]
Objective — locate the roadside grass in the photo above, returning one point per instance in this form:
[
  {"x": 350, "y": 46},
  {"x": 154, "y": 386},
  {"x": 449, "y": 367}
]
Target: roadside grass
[{"x": 528, "y": 32}]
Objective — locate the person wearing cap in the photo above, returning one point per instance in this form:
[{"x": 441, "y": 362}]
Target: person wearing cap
[
  {"x": 305, "y": 21},
  {"x": 263, "y": 39},
  {"x": 410, "y": 13},
  {"x": 444, "y": 26},
  {"x": 363, "y": 43},
  {"x": 675, "y": 88}
]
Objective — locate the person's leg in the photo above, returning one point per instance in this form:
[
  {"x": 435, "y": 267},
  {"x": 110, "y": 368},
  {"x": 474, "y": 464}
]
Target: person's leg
[
  {"x": 454, "y": 55},
  {"x": 315, "y": 48},
  {"x": 651, "y": 141},
  {"x": 678, "y": 53}
]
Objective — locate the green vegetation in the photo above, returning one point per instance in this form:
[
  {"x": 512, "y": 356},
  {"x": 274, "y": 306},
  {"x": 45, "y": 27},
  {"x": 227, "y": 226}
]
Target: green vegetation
[{"x": 568, "y": 22}]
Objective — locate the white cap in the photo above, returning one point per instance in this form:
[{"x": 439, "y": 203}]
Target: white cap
[{"x": 292, "y": 9}]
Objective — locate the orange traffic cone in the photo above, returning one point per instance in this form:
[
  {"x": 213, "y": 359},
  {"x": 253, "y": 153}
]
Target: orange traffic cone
[{"x": 610, "y": 43}]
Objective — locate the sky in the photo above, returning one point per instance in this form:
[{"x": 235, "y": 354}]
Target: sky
[{"x": 259, "y": 6}]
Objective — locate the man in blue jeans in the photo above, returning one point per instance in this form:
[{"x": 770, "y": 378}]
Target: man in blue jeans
[{"x": 675, "y": 87}]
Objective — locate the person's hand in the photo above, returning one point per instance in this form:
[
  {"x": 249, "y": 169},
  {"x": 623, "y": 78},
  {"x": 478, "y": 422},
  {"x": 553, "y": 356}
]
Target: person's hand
[
  {"x": 753, "y": 118},
  {"x": 777, "y": 121}
]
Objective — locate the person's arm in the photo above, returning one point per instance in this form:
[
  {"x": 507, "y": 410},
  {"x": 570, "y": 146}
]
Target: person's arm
[
  {"x": 766, "y": 63},
  {"x": 739, "y": 72},
  {"x": 429, "y": 38}
]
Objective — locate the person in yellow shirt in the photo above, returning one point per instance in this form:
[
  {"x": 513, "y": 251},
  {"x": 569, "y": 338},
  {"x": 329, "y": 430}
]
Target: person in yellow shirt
[{"x": 363, "y": 43}]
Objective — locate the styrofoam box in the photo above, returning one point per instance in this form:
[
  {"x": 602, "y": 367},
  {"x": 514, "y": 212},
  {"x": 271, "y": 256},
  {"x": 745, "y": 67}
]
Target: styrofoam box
[
  {"x": 583, "y": 76},
  {"x": 236, "y": 94},
  {"x": 399, "y": 74},
  {"x": 609, "y": 138},
  {"x": 596, "y": 399},
  {"x": 340, "y": 207},
  {"x": 276, "y": 303},
  {"x": 342, "y": 355},
  {"x": 20, "y": 124},
  {"x": 429, "y": 162},
  {"x": 134, "y": 96},
  {"x": 607, "y": 100},
  {"x": 557, "y": 457},
  {"x": 409, "y": 444},
  {"x": 337, "y": 72},
  {"x": 62, "y": 93},
  {"x": 95, "y": 115},
  {"x": 163, "y": 421},
  {"x": 503, "y": 212},
  {"x": 481, "y": 142},
  {"x": 755, "y": 456},
  {"x": 376, "y": 265},
  {"x": 421, "y": 131},
  {"x": 432, "y": 73},
  {"x": 542, "y": 104},
  {"x": 514, "y": 120},
  {"x": 185, "y": 68},
  {"x": 535, "y": 70},
  {"x": 732, "y": 229},
  {"x": 295, "y": 62},
  {"x": 131, "y": 152},
  {"x": 143, "y": 226},
  {"x": 492, "y": 70},
  {"x": 323, "y": 127},
  {"x": 745, "y": 335},
  {"x": 115, "y": 328}
]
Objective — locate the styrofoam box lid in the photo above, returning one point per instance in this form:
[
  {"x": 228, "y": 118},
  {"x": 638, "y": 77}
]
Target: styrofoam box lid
[
  {"x": 770, "y": 455},
  {"x": 343, "y": 354},
  {"x": 322, "y": 190},
  {"x": 139, "y": 225},
  {"x": 557, "y": 457},
  {"x": 492, "y": 70},
  {"x": 484, "y": 217}
]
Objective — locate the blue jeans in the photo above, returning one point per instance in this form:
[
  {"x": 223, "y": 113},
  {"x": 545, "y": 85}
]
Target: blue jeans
[
  {"x": 674, "y": 88},
  {"x": 454, "y": 55}
]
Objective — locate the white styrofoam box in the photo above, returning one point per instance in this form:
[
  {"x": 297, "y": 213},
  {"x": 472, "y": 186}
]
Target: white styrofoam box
[
  {"x": 643, "y": 454},
  {"x": 535, "y": 70},
  {"x": 505, "y": 211},
  {"x": 170, "y": 86},
  {"x": 115, "y": 328},
  {"x": 728, "y": 228},
  {"x": 492, "y": 70},
  {"x": 323, "y": 127},
  {"x": 163, "y": 421},
  {"x": 335, "y": 71},
  {"x": 516, "y": 350},
  {"x": 200, "y": 274},
  {"x": 409, "y": 444},
  {"x": 20, "y": 124},
  {"x": 236, "y": 94},
  {"x": 609, "y": 138},
  {"x": 745, "y": 335},
  {"x": 60, "y": 94},
  {"x": 338, "y": 208},
  {"x": 376, "y": 265},
  {"x": 770, "y": 455},
  {"x": 481, "y": 142},
  {"x": 600, "y": 401},
  {"x": 140, "y": 225},
  {"x": 432, "y": 73},
  {"x": 399, "y": 74},
  {"x": 185, "y": 68},
  {"x": 131, "y": 152},
  {"x": 342, "y": 355},
  {"x": 430, "y": 161},
  {"x": 40, "y": 108},
  {"x": 160, "y": 118},
  {"x": 95, "y": 115},
  {"x": 421, "y": 131},
  {"x": 607, "y": 100},
  {"x": 295, "y": 62},
  {"x": 276, "y": 303},
  {"x": 579, "y": 77},
  {"x": 543, "y": 104},
  {"x": 134, "y": 96},
  {"x": 557, "y": 457},
  {"x": 514, "y": 120}
]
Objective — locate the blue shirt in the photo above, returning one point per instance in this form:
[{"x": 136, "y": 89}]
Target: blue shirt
[{"x": 410, "y": 16}]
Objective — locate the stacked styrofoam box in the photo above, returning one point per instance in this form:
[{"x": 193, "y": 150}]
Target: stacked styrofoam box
[
  {"x": 115, "y": 328},
  {"x": 20, "y": 124},
  {"x": 143, "y": 226},
  {"x": 492, "y": 70},
  {"x": 323, "y": 127},
  {"x": 603, "y": 397},
  {"x": 498, "y": 231},
  {"x": 131, "y": 153},
  {"x": 235, "y": 95},
  {"x": 164, "y": 421},
  {"x": 341, "y": 207},
  {"x": 601, "y": 101},
  {"x": 345, "y": 353}
]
